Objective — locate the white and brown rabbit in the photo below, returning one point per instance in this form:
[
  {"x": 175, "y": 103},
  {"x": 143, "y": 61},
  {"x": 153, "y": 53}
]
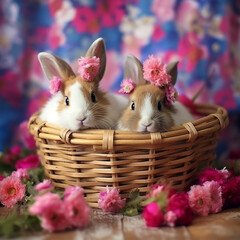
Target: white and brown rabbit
[
  {"x": 147, "y": 111},
  {"x": 80, "y": 104}
]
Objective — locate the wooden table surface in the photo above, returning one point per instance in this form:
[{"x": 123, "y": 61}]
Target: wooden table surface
[{"x": 224, "y": 226}]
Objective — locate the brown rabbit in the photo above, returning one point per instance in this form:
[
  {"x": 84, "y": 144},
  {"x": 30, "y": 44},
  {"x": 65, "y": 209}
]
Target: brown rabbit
[{"x": 147, "y": 111}]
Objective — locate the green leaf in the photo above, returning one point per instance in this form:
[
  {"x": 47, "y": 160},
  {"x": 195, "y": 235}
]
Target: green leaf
[{"x": 133, "y": 205}]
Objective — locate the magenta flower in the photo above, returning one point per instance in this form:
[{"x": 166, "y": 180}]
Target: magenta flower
[
  {"x": 16, "y": 150},
  {"x": 51, "y": 211},
  {"x": 12, "y": 190},
  {"x": 1, "y": 177},
  {"x": 210, "y": 174},
  {"x": 55, "y": 85},
  {"x": 45, "y": 185},
  {"x": 170, "y": 218},
  {"x": 21, "y": 173},
  {"x": 231, "y": 192},
  {"x": 77, "y": 212},
  {"x": 25, "y": 136},
  {"x": 88, "y": 68},
  {"x": 215, "y": 191},
  {"x": 31, "y": 161},
  {"x": 110, "y": 200},
  {"x": 127, "y": 86},
  {"x": 153, "y": 215},
  {"x": 179, "y": 204},
  {"x": 200, "y": 200},
  {"x": 156, "y": 72},
  {"x": 171, "y": 94}
]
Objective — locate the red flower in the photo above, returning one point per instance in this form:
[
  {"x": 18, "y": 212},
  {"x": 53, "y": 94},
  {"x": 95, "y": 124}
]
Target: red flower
[
  {"x": 31, "y": 161},
  {"x": 231, "y": 192},
  {"x": 153, "y": 215},
  {"x": 179, "y": 204},
  {"x": 210, "y": 174}
]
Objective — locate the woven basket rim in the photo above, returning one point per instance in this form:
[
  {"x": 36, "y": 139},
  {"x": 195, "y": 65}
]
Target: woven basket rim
[{"x": 216, "y": 118}]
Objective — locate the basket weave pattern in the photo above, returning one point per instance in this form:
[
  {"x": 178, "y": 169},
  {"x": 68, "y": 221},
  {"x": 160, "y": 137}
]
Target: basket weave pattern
[{"x": 94, "y": 159}]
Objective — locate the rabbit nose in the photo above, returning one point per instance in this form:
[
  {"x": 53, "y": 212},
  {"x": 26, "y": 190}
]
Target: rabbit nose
[
  {"x": 147, "y": 124},
  {"x": 82, "y": 119}
]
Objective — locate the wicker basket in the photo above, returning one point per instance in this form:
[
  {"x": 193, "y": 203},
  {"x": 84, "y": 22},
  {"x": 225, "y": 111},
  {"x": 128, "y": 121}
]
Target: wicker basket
[{"x": 94, "y": 159}]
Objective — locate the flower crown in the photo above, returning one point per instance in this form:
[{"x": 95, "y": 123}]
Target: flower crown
[
  {"x": 155, "y": 72},
  {"x": 88, "y": 68}
]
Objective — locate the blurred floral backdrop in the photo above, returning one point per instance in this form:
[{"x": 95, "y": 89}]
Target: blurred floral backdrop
[{"x": 203, "y": 35}]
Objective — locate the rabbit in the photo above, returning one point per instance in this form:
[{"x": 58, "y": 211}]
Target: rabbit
[
  {"x": 147, "y": 111},
  {"x": 80, "y": 104}
]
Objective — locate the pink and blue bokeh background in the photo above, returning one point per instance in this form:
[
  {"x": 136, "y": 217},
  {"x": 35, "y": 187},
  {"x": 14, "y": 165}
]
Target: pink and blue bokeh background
[{"x": 203, "y": 35}]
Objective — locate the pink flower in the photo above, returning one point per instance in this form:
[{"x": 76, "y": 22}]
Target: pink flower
[
  {"x": 21, "y": 173},
  {"x": 77, "y": 212},
  {"x": 179, "y": 204},
  {"x": 1, "y": 177},
  {"x": 110, "y": 200},
  {"x": 12, "y": 190},
  {"x": 127, "y": 86},
  {"x": 70, "y": 190},
  {"x": 45, "y": 185},
  {"x": 25, "y": 136},
  {"x": 170, "y": 218},
  {"x": 16, "y": 150},
  {"x": 156, "y": 72},
  {"x": 56, "y": 36},
  {"x": 200, "y": 200},
  {"x": 215, "y": 194},
  {"x": 55, "y": 85},
  {"x": 158, "y": 188},
  {"x": 210, "y": 174},
  {"x": 86, "y": 20},
  {"x": 88, "y": 68},
  {"x": 171, "y": 94},
  {"x": 231, "y": 192},
  {"x": 110, "y": 12},
  {"x": 153, "y": 215},
  {"x": 50, "y": 209},
  {"x": 31, "y": 161}
]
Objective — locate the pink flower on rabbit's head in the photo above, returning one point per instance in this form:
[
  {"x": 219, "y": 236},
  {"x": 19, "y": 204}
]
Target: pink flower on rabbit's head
[
  {"x": 55, "y": 85},
  {"x": 171, "y": 94},
  {"x": 12, "y": 190},
  {"x": 88, "y": 68},
  {"x": 127, "y": 86},
  {"x": 155, "y": 71}
]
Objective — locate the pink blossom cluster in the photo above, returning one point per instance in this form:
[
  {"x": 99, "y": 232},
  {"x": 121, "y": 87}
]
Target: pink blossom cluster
[
  {"x": 55, "y": 85},
  {"x": 155, "y": 71},
  {"x": 12, "y": 188},
  {"x": 165, "y": 206},
  {"x": 88, "y": 68},
  {"x": 110, "y": 200},
  {"x": 15, "y": 156},
  {"x": 228, "y": 182},
  {"x": 127, "y": 86},
  {"x": 58, "y": 214}
]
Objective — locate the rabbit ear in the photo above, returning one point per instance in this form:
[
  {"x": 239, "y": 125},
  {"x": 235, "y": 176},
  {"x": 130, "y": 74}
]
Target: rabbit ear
[
  {"x": 54, "y": 66},
  {"x": 98, "y": 49},
  {"x": 133, "y": 69},
  {"x": 172, "y": 70}
]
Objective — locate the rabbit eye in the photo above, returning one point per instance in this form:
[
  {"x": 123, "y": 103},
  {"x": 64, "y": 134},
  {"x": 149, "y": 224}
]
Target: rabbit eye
[
  {"x": 159, "y": 106},
  {"x": 133, "y": 106},
  {"x": 66, "y": 100},
  {"x": 93, "y": 97}
]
